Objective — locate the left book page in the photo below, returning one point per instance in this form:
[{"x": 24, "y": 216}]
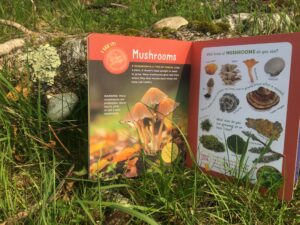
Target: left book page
[{"x": 138, "y": 90}]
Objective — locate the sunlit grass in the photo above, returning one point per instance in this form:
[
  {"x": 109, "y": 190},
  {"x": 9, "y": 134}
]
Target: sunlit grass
[{"x": 73, "y": 17}]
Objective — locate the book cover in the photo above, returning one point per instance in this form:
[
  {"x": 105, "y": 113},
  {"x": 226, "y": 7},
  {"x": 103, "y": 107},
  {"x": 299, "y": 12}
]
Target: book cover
[{"x": 298, "y": 158}]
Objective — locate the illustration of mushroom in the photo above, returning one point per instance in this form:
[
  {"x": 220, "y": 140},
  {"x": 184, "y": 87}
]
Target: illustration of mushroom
[
  {"x": 211, "y": 68},
  {"x": 228, "y": 102},
  {"x": 230, "y": 74},
  {"x": 274, "y": 66},
  {"x": 210, "y": 84},
  {"x": 165, "y": 107},
  {"x": 136, "y": 116},
  {"x": 262, "y": 98},
  {"x": 250, "y": 63},
  {"x": 265, "y": 127}
]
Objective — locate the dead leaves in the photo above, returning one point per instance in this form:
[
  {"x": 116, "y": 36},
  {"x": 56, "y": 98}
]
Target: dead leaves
[
  {"x": 17, "y": 92},
  {"x": 112, "y": 149},
  {"x": 132, "y": 170},
  {"x": 125, "y": 155},
  {"x": 20, "y": 90}
]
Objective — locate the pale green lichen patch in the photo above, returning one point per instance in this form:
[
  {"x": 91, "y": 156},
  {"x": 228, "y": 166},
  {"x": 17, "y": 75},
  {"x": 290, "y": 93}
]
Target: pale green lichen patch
[{"x": 42, "y": 63}]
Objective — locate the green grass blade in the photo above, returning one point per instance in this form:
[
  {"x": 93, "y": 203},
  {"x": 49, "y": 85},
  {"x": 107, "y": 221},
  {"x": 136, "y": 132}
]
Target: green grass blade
[
  {"x": 87, "y": 212},
  {"x": 134, "y": 213}
]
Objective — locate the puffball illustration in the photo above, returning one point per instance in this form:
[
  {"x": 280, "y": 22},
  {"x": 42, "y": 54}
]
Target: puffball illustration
[{"x": 274, "y": 66}]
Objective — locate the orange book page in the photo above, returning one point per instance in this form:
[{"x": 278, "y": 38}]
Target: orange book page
[{"x": 137, "y": 88}]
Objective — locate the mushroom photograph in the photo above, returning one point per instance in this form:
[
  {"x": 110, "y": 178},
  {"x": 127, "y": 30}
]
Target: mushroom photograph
[
  {"x": 153, "y": 96},
  {"x": 135, "y": 118},
  {"x": 145, "y": 130},
  {"x": 250, "y": 63},
  {"x": 210, "y": 84},
  {"x": 230, "y": 74},
  {"x": 262, "y": 98},
  {"x": 265, "y": 127},
  {"x": 211, "y": 68},
  {"x": 274, "y": 66},
  {"x": 150, "y": 118},
  {"x": 228, "y": 102}
]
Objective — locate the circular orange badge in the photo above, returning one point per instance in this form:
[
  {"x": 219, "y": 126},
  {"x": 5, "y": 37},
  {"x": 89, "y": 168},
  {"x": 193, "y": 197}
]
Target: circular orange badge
[{"x": 116, "y": 61}]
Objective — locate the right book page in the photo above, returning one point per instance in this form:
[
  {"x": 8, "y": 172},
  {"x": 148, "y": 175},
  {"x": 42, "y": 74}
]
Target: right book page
[{"x": 245, "y": 107}]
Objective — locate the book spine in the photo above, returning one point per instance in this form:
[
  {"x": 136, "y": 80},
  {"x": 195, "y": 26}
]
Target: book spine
[{"x": 298, "y": 158}]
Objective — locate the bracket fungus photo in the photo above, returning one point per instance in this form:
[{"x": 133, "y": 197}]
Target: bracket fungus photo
[
  {"x": 250, "y": 63},
  {"x": 262, "y": 98},
  {"x": 274, "y": 66}
]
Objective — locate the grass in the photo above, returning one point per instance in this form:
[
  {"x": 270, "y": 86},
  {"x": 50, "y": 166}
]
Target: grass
[
  {"x": 71, "y": 16},
  {"x": 33, "y": 163}
]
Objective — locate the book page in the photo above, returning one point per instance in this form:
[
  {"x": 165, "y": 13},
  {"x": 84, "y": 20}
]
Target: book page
[
  {"x": 243, "y": 104},
  {"x": 138, "y": 87}
]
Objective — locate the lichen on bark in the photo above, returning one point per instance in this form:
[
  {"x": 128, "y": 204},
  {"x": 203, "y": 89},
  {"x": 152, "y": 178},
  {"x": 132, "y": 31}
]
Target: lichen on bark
[{"x": 41, "y": 63}]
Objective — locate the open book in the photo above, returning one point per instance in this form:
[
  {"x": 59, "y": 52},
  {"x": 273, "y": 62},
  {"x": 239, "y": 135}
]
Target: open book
[{"x": 235, "y": 99}]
